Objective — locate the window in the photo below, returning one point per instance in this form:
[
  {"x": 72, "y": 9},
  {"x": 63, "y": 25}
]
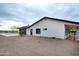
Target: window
[
  {"x": 38, "y": 31},
  {"x": 44, "y": 28}
]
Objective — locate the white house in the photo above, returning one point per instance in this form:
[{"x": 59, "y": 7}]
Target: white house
[{"x": 52, "y": 27}]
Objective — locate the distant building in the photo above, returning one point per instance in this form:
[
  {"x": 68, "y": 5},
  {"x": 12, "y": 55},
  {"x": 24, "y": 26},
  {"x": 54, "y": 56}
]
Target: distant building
[{"x": 22, "y": 30}]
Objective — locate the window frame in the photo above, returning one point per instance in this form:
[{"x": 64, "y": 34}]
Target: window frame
[
  {"x": 44, "y": 29},
  {"x": 38, "y": 31}
]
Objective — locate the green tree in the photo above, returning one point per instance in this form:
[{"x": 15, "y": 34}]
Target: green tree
[{"x": 14, "y": 28}]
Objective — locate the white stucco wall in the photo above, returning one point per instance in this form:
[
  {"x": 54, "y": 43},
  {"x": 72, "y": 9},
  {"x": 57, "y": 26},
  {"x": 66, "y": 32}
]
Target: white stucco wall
[
  {"x": 28, "y": 31},
  {"x": 54, "y": 28}
]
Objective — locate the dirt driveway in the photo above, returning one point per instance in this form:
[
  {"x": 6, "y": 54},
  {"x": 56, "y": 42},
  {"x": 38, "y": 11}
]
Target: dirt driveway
[{"x": 34, "y": 46}]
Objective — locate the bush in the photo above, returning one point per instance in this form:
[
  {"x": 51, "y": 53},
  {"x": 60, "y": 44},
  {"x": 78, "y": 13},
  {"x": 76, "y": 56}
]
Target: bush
[{"x": 8, "y": 31}]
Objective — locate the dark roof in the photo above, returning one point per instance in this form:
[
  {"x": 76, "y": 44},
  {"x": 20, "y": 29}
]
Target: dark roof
[
  {"x": 23, "y": 27},
  {"x": 54, "y": 19}
]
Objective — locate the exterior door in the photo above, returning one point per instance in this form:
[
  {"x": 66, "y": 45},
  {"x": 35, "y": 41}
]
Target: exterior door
[{"x": 31, "y": 31}]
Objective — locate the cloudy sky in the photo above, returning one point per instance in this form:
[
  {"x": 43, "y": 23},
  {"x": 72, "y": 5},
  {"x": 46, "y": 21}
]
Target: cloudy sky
[{"x": 21, "y": 14}]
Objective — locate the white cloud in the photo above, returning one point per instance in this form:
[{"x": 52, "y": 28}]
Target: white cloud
[
  {"x": 33, "y": 10},
  {"x": 6, "y": 24},
  {"x": 37, "y": 2},
  {"x": 54, "y": 1}
]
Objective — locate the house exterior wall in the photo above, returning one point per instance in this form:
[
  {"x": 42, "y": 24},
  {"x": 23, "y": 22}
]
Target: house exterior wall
[
  {"x": 28, "y": 31},
  {"x": 77, "y": 35},
  {"x": 54, "y": 28}
]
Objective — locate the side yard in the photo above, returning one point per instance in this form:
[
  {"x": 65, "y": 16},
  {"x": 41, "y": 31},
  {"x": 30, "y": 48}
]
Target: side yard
[{"x": 34, "y": 46}]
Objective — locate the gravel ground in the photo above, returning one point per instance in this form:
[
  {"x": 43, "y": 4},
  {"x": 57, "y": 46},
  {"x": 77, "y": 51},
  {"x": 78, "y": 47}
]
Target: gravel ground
[{"x": 35, "y": 46}]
